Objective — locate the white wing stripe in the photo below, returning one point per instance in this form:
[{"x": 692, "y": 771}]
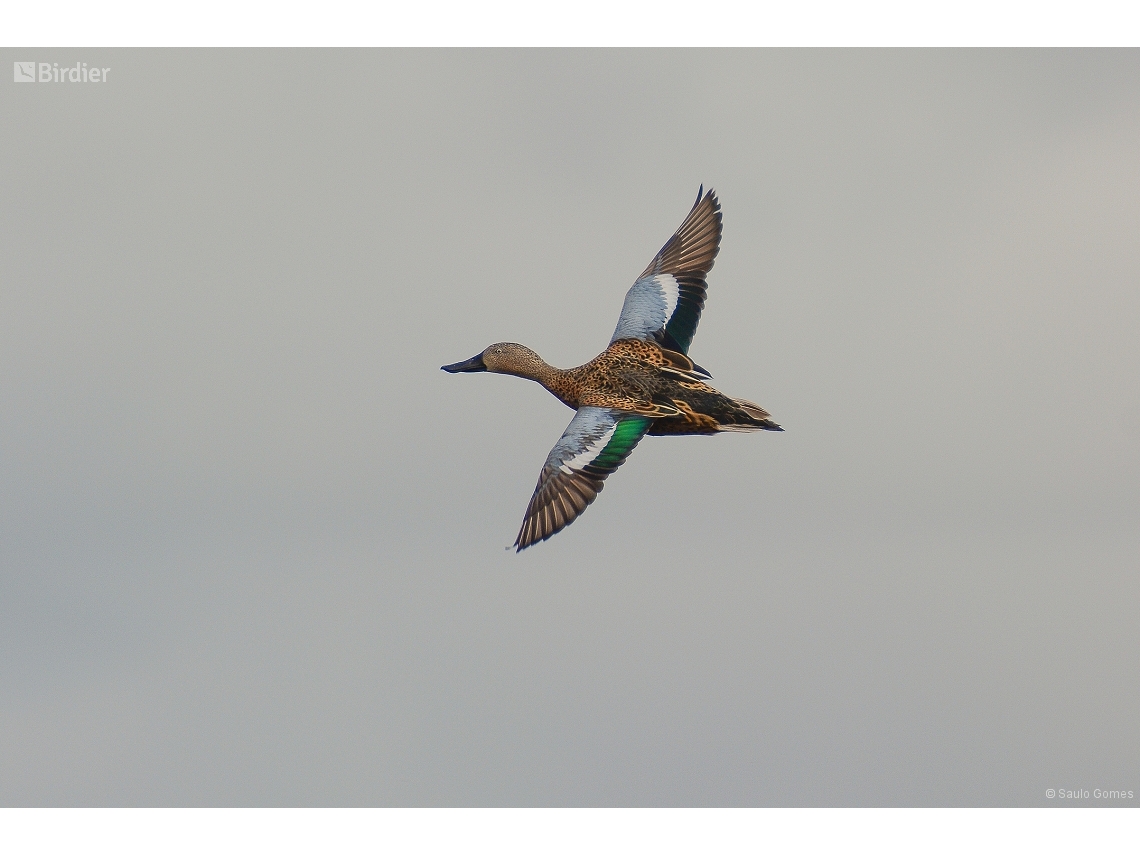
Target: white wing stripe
[{"x": 586, "y": 457}]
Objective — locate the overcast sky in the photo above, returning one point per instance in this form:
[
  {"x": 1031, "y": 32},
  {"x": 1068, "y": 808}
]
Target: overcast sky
[{"x": 252, "y": 538}]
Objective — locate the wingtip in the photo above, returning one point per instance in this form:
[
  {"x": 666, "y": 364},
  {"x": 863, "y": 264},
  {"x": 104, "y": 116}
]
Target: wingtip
[{"x": 710, "y": 197}]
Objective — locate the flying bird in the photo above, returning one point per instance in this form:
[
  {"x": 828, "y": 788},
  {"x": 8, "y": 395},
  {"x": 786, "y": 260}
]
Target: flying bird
[{"x": 642, "y": 383}]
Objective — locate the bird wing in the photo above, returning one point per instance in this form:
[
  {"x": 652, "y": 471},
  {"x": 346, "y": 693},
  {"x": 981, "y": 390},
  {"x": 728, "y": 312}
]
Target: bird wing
[
  {"x": 664, "y": 304},
  {"x": 594, "y": 444}
]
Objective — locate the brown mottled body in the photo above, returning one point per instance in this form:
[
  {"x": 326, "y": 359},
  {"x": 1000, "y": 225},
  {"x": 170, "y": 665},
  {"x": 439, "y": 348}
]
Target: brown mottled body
[{"x": 641, "y": 377}]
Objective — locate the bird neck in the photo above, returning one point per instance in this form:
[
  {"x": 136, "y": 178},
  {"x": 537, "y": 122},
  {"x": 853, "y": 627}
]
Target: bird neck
[{"x": 561, "y": 383}]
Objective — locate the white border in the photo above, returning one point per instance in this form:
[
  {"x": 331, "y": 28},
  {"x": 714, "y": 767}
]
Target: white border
[
  {"x": 554, "y": 831},
  {"x": 602, "y": 23}
]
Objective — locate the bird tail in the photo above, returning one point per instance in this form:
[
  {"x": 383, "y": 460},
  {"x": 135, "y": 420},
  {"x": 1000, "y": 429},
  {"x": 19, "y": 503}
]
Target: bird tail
[{"x": 748, "y": 416}]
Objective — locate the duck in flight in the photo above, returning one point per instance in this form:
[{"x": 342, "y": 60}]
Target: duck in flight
[{"x": 642, "y": 383}]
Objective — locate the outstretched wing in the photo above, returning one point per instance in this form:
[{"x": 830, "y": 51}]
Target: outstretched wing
[
  {"x": 665, "y": 302},
  {"x": 595, "y": 443}
]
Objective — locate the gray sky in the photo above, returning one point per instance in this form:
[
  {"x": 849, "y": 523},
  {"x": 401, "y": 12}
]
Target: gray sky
[{"x": 252, "y": 538}]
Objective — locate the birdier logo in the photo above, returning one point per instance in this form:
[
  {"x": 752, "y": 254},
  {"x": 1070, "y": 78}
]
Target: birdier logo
[{"x": 50, "y": 72}]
